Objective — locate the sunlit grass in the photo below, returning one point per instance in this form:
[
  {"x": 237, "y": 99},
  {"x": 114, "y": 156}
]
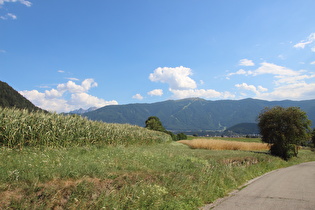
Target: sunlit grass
[
  {"x": 161, "y": 176},
  {"x": 67, "y": 162},
  {"x": 215, "y": 144}
]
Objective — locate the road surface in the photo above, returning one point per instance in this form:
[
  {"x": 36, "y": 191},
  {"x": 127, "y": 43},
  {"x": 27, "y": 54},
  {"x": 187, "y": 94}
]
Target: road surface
[{"x": 287, "y": 188}]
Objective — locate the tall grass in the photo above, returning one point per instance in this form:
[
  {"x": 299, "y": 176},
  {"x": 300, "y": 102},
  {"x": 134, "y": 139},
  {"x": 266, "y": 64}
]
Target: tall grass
[
  {"x": 213, "y": 144},
  {"x": 19, "y": 128}
]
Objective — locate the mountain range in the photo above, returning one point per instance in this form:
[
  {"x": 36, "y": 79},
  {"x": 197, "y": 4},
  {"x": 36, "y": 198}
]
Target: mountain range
[
  {"x": 82, "y": 111},
  {"x": 186, "y": 115},
  {"x": 195, "y": 114}
]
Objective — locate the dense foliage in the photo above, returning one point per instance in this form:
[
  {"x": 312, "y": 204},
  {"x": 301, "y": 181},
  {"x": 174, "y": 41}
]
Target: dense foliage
[
  {"x": 154, "y": 123},
  {"x": 284, "y": 128},
  {"x": 19, "y": 128},
  {"x": 11, "y": 98}
]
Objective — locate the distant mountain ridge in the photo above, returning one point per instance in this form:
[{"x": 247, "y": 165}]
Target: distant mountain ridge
[
  {"x": 195, "y": 114},
  {"x": 82, "y": 111},
  {"x": 11, "y": 98}
]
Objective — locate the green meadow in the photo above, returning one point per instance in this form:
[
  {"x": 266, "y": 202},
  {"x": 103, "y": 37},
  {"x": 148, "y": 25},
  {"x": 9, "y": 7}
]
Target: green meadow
[{"x": 142, "y": 170}]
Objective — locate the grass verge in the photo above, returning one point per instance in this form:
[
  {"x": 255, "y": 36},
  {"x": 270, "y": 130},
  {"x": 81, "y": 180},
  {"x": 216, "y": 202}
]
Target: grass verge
[{"x": 162, "y": 176}]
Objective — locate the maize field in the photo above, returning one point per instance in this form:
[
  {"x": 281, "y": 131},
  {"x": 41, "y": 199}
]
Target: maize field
[{"x": 20, "y": 128}]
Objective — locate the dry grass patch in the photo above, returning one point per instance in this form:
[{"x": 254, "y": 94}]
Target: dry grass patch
[
  {"x": 58, "y": 194},
  {"x": 213, "y": 144}
]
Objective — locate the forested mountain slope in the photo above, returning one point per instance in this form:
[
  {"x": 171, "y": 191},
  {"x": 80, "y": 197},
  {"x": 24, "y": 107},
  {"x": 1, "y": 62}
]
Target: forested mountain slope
[
  {"x": 195, "y": 113},
  {"x": 11, "y": 98}
]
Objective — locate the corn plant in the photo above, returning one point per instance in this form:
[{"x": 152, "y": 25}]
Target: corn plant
[{"x": 19, "y": 128}]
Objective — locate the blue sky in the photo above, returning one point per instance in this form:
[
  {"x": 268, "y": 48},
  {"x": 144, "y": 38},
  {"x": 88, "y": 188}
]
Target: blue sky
[{"x": 64, "y": 55}]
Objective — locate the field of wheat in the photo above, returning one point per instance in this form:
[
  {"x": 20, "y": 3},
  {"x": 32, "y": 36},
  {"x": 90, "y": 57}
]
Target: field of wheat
[{"x": 214, "y": 144}]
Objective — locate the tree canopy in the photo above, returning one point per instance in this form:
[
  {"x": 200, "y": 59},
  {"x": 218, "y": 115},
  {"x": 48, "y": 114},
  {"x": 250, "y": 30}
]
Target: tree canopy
[
  {"x": 284, "y": 128},
  {"x": 154, "y": 123}
]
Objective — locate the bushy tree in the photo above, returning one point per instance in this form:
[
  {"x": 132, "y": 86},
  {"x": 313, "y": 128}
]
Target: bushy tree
[
  {"x": 181, "y": 136},
  {"x": 154, "y": 123},
  {"x": 284, "y": 129}
]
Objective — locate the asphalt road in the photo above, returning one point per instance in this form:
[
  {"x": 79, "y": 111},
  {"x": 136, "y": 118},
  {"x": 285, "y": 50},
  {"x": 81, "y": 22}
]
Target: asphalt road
[{"x": 287, "y": 188}]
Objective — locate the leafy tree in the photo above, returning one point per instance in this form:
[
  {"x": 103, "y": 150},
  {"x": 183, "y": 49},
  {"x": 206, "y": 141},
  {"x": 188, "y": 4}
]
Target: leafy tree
[
  {"x": 154, "y": 123},
  {"x": 284, "y": 129},
  {"x": 181, "y": 136}
]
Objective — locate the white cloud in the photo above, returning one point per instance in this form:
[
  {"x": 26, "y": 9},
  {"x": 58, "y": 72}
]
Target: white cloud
[
  {"x": 202, "y": 93},
  {"x": 267, "y": 68},
  {"x": 310, "y": 39},
  {"x": 297, "y": 91},
  {"x": 137, "y": 96},
  {"x": 313, "y": 63},
  {"x": 177, "y": 78},
  {"x": 246, "y": 87},
  {"x": 270, "y": 68},
  {"x": 182, "y": 86},
  {"x": 8, "y": 16},
  {"x": 89, "y": 100},
  {"x": 239, "y": 72},
  {"x": 43, "y": 101},
  {"x": 72, "y": 78},
  {"x": 262, "y": 89},
  {"x": 251, "y": 88},
  {"x": 290, "y": 84},
  {"x": 246, "y": 62},
  {"x": 61, "y": 71},
  {"x": 55, "y": 99},
  {"x": 26, "y": 3},
  {"x": 53, "y": 93},
  {"x": 293, "y": 79},
  {"x": 12, "y": 16},
  {"x": 156, "y": 92},
  {"x": 72, "y": 87}
]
